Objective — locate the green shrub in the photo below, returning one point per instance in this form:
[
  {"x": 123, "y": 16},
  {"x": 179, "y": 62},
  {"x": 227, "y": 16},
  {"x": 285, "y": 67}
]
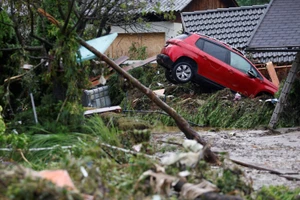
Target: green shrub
[{"x": 277, "y": 193}]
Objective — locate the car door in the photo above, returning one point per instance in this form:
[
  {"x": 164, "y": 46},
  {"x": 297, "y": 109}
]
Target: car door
[
  {"x": 215, "y": 57},
  {"x": 240, "y": 80}
]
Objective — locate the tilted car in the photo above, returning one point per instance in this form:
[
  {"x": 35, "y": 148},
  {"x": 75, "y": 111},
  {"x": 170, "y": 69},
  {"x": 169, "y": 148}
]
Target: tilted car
[{"x": 201, "y": 59}]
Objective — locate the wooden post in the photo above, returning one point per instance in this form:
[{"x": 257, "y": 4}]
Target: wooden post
[
  {"x": 273, "y": 75},
  {"x": 285, "y": 91}
]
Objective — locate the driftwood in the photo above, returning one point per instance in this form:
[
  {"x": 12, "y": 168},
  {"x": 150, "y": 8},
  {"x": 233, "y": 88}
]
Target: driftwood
[
  {"x": 264, "y": 168},
  {"x": 182, "y": 124}
]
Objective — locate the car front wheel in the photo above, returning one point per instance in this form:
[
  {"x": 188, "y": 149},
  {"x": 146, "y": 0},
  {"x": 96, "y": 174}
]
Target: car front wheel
[{"x": 182, "y": 72}]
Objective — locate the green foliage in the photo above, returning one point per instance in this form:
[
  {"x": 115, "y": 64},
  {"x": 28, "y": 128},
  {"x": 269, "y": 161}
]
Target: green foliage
[
  {"x": 2, "y": 124},
  {"x": 133, "y": 137},
  {"x": 9, "y": 61},
  {"x": 95, "y": 126},
  {"x": 232, "y": 180},
  {"x": 74, "y": 78},
  {"x": 220, "y": 111},
  {"x": 277, "y": 193},
  {"x": 107, "y": 179},
  {"x": 42, "y": 158},
  {"x": 63, "y": 79},
  {"x": 169, "y": 15},
  {"x": 165, "y": 15},
  {"x": 7, "y": 31},
  {"x": 71, "y": 119},
  {"x": 120, "y": 87},
  {"x": 18, "y": 185},
  {"x": 116, "y": 91},
  {"x": 141, "y": 135},
  {"x": 14, "y": 141},
  {"x": 132, "y": 123},
  {"x": 290, "y": 115},
  {"x": 137, "y": 52}
]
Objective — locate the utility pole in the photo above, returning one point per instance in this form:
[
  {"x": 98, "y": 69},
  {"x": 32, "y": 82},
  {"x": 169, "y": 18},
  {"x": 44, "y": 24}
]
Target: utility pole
[{"x": 285, "y": 91}]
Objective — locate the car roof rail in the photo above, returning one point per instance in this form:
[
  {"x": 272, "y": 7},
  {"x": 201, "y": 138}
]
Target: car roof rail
[{"x": 239, "y": 51}]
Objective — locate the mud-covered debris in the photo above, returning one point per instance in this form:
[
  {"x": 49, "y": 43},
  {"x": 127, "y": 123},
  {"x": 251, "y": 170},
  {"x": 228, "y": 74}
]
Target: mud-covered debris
[
  {"x": 192, "y": 191},
  {"x": 188, "y": 159},
  {"x": 192, "y": 145},
  {"x": 164, "y": 184}
]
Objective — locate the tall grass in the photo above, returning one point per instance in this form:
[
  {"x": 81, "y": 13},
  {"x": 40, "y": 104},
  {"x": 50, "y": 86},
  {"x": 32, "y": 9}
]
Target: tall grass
[
  {"x": 102, "y": 132},
  {"x": 42, "y": 158}
]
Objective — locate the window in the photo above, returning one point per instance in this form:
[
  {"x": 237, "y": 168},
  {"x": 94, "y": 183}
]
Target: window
[
  {"x": 240, "y": 63},
  {"x": 213, "y": 49},
  {"x": 200, "y": 43}
]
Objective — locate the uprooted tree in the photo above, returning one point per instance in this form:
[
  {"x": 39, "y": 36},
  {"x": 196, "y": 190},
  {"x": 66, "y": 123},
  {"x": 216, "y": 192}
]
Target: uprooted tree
[{"x": 28, "y": 38}]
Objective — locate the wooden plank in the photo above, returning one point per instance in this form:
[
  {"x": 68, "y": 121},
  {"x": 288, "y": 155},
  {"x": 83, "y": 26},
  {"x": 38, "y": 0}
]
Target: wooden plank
[
  {"x": 119, "y": 61},
  {"x": 159, "y": 92},
  {"x": 262, "y": 167},
  {"x": 95, "y": 80},
  {"x": 283, "y": 67},
  {"x": 292, "y": 177},
  {"x": 272, "y": 73},
  {"x": 102, "y": 110},
  {"x": 139, "y": 64}
]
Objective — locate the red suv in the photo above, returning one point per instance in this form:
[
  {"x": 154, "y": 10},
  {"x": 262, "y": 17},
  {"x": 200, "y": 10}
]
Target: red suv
[{"x": 201, "y": 59}]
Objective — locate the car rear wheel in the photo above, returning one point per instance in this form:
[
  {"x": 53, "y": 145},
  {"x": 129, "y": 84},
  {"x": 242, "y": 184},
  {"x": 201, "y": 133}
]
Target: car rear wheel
[
  {"x": 183, "y": 72},
  {"x": 169, "y": 77}
]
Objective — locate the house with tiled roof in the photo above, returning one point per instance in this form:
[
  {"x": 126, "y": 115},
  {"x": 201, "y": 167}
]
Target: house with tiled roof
[
  {"x": 279, "y": 29},
  {"x": 158, "y": 29},
  {"x": 235, "y": 26},
  {"x": 178, "y": 6}
]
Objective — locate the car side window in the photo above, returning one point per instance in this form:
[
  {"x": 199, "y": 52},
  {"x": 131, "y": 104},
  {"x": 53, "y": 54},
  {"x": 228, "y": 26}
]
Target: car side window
[
  {"x": 239, "y": 63},
  {"x": 213, "y": 49}
]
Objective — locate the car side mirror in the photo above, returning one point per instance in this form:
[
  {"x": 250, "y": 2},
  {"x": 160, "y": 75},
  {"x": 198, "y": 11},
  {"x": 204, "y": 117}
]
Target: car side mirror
[{"x": 251, "y": 74}]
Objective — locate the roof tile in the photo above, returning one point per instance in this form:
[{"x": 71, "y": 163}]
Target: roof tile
[
  {"x": 233, "y": 26},
  {"x": 282, "y": 17},
  {"x": 166, "y": 5}
]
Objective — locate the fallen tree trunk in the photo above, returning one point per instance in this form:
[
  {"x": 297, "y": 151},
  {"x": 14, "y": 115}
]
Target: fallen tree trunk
[{"x": 182, "y": 124}]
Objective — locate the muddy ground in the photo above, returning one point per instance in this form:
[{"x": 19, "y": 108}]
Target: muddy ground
[{"x": 278, "y": 151}]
